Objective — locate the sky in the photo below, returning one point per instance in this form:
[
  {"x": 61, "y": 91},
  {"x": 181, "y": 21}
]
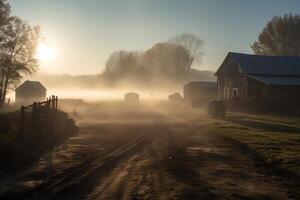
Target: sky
[{"x": 85, "y": 32}]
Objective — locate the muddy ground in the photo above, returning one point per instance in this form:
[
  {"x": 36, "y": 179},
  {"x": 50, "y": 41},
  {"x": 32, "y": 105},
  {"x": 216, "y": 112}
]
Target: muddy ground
[{"x": 144, "y": 152}]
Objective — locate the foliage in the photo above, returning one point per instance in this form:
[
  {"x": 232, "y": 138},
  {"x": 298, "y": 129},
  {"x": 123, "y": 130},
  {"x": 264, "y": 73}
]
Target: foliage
[
  {"x": 17, "y": 151},
  {"x": 164, "y": 61},
  {"x": 280, "y": 37},
  {"x": 122, "y": 64},
  {"x": 18, "y": 44}
]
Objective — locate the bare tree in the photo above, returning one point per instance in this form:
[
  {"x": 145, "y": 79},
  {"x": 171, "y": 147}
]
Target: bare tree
[
  {"x": 193, "y": 45},
  {"x": 280, "y": 37}
]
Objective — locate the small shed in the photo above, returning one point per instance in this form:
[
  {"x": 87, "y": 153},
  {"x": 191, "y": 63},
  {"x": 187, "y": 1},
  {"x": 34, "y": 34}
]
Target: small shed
[
  {"x": 29, "y": 92},
  {"x": 199, "y": 90},
  {"x": 131, "y": 98}
]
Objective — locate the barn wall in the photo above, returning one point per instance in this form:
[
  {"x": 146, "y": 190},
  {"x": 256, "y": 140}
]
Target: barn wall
[
  {"x": 192, "y": 93},
  {"x": 231, "y": 81},
  {"x": 28, "y": 96},
  {"x": 257, "y": 89},
  {"x": 288, "y": 92}
]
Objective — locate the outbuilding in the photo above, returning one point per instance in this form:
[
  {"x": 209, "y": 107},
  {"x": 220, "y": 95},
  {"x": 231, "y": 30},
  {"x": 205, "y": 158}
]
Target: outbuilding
[
  {"x": 199, "y": 90},
  {"x": 247, "y": 76},
  {"x": 29, "y": 92}
]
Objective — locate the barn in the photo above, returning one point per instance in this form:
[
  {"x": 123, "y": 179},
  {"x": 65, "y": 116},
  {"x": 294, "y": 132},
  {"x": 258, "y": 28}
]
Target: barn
[
  {"x": 30, "y": 91},
  {"x": 245, "y": 76},
  {"x": 199, "y": 90}
]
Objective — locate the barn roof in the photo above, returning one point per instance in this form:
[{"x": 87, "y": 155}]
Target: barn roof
[
  {"x": 267, "y": 65},
  {"x": 201, "y": 84},
  {"x": 35, "y": 85},
  {"x": 277, "y": 80}
]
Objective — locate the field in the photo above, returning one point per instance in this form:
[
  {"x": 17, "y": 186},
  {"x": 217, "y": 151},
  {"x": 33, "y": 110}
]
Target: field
[{"x": 157, "y": 150}]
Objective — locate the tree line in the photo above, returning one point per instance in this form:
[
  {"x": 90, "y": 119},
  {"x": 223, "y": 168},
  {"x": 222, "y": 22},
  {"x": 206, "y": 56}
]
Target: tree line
[
  {"x": 170, "y": 60},
  {"x": 18, "y": 44}
]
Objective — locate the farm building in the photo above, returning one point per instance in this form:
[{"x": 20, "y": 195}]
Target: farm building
[
  {"x": 30, "y": 91},
  {"x": 198, "y": 90},
  {"x": 131, "y": 98},
  {"x": 254, "y": 76}
]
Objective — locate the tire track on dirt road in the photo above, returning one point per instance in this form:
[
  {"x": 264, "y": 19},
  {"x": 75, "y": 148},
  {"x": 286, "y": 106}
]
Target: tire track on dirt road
[
  {"x": 76, "y": 183},
  {"x": 161, "y": 171}
]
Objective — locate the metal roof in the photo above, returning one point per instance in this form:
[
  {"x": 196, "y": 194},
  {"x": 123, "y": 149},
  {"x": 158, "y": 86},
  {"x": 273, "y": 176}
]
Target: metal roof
[
  {"x": 35, "y": 85},
  {"x": 276, "y": 80},
  {"x": 267, "y": 65}
]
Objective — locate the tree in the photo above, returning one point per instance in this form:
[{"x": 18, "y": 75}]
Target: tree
[
  {"x": 280, "y": 37},
  {"x": 122, "y": 64},
  {"x": 166, "y": 61},
  {"x": 193, "y": 48},
  {"x": 17, "y": 53}
]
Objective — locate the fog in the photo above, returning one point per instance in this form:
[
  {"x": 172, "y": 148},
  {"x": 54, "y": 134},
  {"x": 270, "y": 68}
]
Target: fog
[
  {"x": 108, "y": 94},
  {"x": 93, "y": 88}
]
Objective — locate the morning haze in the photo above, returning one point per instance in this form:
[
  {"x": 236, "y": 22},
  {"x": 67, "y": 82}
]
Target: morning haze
[{"x": 149, "y": 99}]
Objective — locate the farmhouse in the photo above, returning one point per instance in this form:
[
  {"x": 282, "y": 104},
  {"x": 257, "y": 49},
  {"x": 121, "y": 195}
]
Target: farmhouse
[
  {"x": 254, "y": 76},
  {"x": 30, "y": 91},
  {"x": 198, "y": 90}
]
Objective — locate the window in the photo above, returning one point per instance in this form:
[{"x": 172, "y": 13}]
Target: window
[{"x": 235, "y": 92}]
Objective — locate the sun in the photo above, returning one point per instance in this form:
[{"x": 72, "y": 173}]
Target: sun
[{"x": 45, "y": 52}]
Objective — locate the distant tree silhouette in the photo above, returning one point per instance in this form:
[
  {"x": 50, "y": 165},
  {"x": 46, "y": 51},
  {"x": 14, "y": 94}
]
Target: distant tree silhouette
[
  {"x": 280, "y": 37},
  {"x": 18, "y": 44},
  {"x": 164, "y": 61},
  {"x": 122, "y": 64},
  {"x": 192, "y": 45},
  {"x": 167, "y": 61}
]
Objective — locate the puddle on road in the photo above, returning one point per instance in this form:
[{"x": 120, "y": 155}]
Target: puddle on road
[
  {"x": 196, "y": 150},
  {"x": 31, "y": 183}
]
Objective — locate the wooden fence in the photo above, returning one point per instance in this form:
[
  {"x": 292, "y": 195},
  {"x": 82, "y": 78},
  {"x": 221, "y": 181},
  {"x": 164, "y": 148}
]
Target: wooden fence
[{"x": 39, "y": 116}]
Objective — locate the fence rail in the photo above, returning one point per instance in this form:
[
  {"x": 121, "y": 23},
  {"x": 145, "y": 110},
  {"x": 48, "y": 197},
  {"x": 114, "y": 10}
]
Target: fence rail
[{"x": 42, "y": 115}]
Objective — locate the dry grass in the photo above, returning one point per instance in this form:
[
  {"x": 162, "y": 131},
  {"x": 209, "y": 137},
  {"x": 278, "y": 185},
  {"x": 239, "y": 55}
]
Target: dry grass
[{"x": 275, "y": 138}]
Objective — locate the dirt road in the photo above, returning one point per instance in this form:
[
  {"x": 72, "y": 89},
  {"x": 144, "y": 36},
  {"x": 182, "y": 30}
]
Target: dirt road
[{"x": 166, "y": 156}]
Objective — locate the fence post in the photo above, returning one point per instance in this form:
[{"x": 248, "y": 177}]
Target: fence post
[
  {"x": 34, "y": 117},
  {"x": 53, "y": 102},
  {"x": 22, "y": 120},
  {"x": 56, "y": 102},
  {"x": 49, "y": 102}
]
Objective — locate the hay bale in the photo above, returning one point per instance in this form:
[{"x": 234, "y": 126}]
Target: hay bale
[
  {"x": 217, "y": 108},
  {"x": 175, "y": 97},
  {"x": 131, "y": 98}
]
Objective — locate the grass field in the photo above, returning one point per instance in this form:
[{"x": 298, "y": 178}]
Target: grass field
[{"x": 276, "y": 138}]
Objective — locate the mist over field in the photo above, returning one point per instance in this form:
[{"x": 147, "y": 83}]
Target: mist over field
[{"x": 95, "y": 88}]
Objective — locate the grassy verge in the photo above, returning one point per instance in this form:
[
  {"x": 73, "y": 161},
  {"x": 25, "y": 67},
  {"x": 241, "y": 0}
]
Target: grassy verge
[{"x": 275, "y": 138}]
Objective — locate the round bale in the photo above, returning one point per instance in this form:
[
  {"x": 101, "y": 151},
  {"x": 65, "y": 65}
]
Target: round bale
[{"x": 217, "y": 108}]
